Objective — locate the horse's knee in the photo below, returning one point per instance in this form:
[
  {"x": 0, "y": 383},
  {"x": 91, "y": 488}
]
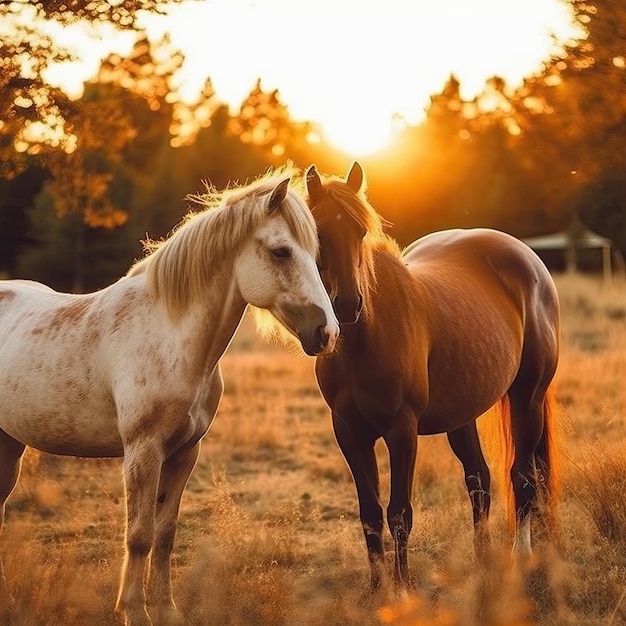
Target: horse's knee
[
  {"x": 138, "y": 544},
  {"x": 371, "y": 515},
  {"x": 165, "y": 535},
  {"x": 373, "y": 534}
]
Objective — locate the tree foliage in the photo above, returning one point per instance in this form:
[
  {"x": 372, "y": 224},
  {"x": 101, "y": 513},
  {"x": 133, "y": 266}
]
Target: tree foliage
[
  {"x": 119, "y": 161},
  {"x": 121, "y": 13},
  {"x": 263, "y": 120},
  {"x": 27, "y": 104},
  {"x": 601, "y": 205},
  {"x": 81, "y": 176},
  {"x": 34, "y": 115},
  {"x": 603, "y": 151}
]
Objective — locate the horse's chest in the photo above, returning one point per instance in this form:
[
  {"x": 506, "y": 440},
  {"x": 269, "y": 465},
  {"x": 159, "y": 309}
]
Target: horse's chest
[
  {"x": 207, "y": 401},
  {"x": 356, "y": 394},
  {"x": 378, "y": 402}
]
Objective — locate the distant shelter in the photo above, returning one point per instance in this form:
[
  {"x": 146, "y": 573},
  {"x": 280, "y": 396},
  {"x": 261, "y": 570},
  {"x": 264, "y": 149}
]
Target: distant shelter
[{"x": 583, "y": 251}]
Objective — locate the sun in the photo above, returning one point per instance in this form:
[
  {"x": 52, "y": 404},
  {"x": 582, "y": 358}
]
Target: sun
[{"x": 358, "y": 135}]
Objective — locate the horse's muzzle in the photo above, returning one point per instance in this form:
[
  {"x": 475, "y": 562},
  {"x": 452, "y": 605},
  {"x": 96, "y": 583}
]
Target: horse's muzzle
[
  {"x": 317, "y": 333},
  {"x": 348, "y": 310},
  {"x": 322, "y": 341}
]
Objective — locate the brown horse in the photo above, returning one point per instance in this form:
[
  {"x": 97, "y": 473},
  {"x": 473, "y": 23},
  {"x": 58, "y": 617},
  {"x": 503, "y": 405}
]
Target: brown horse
[{"x": 432, "y": 337}]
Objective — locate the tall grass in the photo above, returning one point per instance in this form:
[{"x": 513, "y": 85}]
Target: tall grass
[{"x": 269, "y": 530}]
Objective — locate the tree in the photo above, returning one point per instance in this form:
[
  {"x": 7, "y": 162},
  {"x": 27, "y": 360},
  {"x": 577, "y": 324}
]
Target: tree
[
  {"x": 87, "y": 177},
  {"x": 577, "y": 117},
  {"x": 109, "y": 155},
  {"x": 601, "y": 206},
  {"x": 16, "y": 197},
  {"x": 33, "y": 114},
  {"x": 598, "y": 72},
  {"x": 188, "y": 118},
  {"x": 68, "y": 255},
  {"x": 81, "y": 176},
  {"x": 263, "y": 121},
  {"x": 457, "y": 169}
]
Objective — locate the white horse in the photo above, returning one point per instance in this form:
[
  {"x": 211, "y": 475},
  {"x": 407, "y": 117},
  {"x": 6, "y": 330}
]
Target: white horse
[{"x": 133, "y": 370}]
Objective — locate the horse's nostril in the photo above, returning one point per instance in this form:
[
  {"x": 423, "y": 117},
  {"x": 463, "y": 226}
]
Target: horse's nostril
[{"x": 319, "y": 338}]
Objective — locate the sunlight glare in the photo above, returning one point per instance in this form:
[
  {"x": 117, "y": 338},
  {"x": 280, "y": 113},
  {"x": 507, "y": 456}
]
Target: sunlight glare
[
  {"x": 352, "y": 66},
  {"x": 358, "y": 134}
]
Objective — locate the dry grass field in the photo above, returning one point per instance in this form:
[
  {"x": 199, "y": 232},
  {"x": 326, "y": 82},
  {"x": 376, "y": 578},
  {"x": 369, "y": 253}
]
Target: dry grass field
[{"x": 269, "y": 531}]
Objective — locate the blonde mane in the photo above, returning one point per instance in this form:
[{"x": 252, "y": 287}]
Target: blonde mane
[{"x": 179, "y": 267}]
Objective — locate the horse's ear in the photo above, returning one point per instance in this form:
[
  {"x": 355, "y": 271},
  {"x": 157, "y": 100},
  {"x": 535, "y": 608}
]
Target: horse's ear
[
  {"x": 278, "y": 195},
  {"x": 354, "y": 179},
  {"x": 313, "y": 184}
]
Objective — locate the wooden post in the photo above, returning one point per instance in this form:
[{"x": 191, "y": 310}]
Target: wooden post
[{"x": 606, "y": 263}]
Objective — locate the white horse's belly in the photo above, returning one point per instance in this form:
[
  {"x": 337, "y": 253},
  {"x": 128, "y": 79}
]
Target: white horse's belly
[{"x": 70, "y": 425}]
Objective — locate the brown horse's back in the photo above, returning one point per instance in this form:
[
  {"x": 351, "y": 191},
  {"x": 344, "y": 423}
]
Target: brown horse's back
[
  {"x": 482, "y": 264},
  {"x": 482, "y": 253}
]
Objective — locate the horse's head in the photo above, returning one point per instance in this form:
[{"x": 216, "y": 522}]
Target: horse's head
[
  {"x": 276, "y": 271},
  {"x": 341, "y": 233}
]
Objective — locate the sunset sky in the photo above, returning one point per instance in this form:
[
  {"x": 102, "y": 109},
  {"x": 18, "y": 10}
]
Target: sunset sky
[{"x": 347, "y": 64}]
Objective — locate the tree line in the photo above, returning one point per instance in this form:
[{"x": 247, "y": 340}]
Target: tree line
[{"x": 83, "y": 181}]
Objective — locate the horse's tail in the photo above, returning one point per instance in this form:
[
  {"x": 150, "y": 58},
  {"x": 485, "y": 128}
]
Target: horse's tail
[
  {"x": 547, "y": 465},
  {"x": 502, "y": 445}
]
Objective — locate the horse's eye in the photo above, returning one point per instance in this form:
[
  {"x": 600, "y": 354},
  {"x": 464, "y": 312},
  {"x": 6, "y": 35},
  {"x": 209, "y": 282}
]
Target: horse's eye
[{"x": 281, "y": 253}]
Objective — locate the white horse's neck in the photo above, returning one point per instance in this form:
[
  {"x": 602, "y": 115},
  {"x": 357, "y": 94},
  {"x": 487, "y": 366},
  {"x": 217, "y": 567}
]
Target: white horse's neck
[{"x": 211, "y": 324}]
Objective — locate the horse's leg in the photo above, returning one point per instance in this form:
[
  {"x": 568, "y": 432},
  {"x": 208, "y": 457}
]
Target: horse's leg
[
  {"x": 358, "y": 450},
  {"x": 174, "y": 475},
  {"x": 527, "y": 422},
  {"x": 11, "y": 452},
  {"x": 401, "y": 442},
  {"x": 142, "y": 464},
  {"x": 531, "y": 423},
  {"x": 466, "y": 446}
]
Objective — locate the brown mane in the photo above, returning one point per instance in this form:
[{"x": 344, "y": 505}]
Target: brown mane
[{"x": 376, "y": 240}]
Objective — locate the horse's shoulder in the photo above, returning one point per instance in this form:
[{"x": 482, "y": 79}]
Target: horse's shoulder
[{"x": 390, "y": 266}]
